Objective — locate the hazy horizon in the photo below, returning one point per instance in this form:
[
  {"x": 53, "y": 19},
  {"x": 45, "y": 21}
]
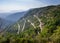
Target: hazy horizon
[{"x": 22, "y": 5}]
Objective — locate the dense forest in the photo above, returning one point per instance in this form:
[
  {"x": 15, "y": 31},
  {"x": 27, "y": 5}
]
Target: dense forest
[{"x": 39, "y": 25}]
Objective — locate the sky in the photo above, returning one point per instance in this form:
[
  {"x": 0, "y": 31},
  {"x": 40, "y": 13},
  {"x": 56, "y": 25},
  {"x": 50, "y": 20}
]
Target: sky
[{"x": 21, "y": 5}]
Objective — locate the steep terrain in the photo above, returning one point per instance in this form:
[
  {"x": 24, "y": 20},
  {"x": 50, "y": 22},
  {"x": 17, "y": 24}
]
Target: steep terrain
[
  {"x": 33, "y": 15},
  {"x": 39, "y": 25}
]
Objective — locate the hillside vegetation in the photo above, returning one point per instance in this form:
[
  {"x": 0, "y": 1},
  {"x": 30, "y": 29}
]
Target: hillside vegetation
[{"x": 39, "y": 25}]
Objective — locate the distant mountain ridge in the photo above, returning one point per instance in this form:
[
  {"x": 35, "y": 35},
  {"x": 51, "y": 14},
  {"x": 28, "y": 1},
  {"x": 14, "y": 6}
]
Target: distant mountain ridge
[
  {"x": 3, "y": 15},
  {"x": 7, "y": 19},
  {"x": 4, "y": 23},
  {"x": 15, "y": 16}
]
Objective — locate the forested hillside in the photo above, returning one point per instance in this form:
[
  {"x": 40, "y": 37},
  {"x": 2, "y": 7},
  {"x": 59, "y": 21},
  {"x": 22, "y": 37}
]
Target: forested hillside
[{"x": 39, "y": 25}]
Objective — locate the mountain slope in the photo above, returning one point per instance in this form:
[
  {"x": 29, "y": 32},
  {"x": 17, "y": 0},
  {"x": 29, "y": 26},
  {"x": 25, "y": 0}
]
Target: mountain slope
[
  {"x": 39, "y": 25},
  {"x": 4, "y": 23},
  {"x": 42, "y": 13},
  {"x": 15, "y": 16},
  {"x": 4, "y": 15}
]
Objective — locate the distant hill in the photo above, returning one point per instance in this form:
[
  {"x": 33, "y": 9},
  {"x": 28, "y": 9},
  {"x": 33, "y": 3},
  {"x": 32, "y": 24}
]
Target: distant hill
[
  {"x": 15, "y": 16},
  {"x": 7, "y": 19},
  {"x": 3, "y": 15},
  {"x": 4, "y": 23}
]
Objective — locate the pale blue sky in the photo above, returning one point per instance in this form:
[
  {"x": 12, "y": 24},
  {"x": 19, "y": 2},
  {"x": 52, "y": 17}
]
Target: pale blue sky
[{"x": 12, "y": 5}]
